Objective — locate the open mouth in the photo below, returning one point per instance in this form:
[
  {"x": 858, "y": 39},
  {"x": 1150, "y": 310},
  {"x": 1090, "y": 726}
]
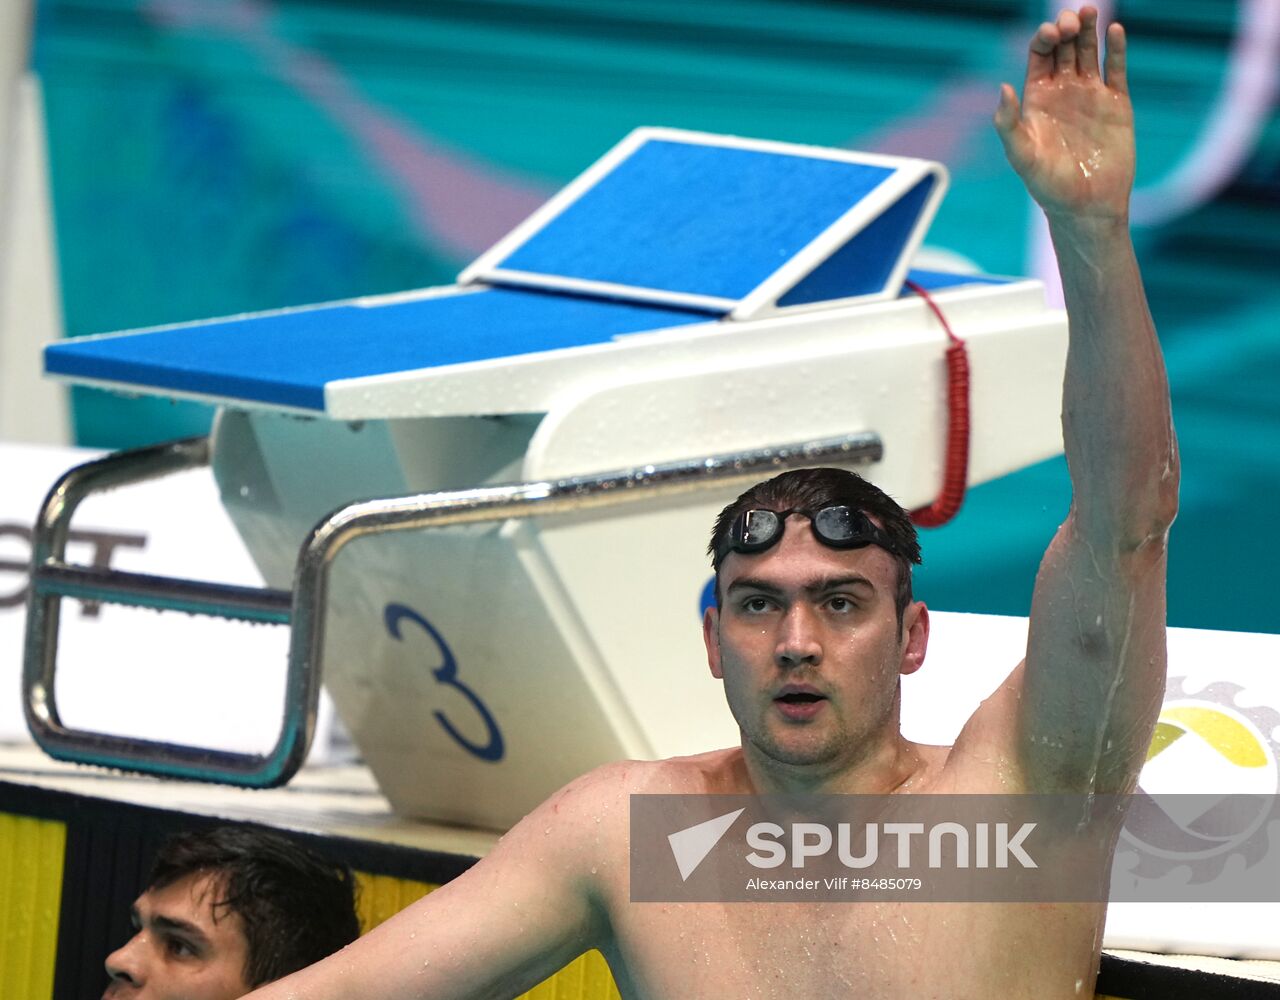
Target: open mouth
[
  {"x": 800, "y": 706},
  {"x": 799, "y": 698}
]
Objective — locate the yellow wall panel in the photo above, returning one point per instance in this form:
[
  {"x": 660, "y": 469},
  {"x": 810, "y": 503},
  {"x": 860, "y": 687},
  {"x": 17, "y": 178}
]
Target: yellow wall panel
[
  {"x": 587, "y": 977},
  {"x": 383, "y": 896},
  {"x": 31, "y": 856}
]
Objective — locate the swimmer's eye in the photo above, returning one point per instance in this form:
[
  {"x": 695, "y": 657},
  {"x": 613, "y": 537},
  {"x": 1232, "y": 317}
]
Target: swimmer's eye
[
  {"x": 841, "y": 604},
  {"x": 757, "y": 605},
  {"x": 180, "y": 947}
]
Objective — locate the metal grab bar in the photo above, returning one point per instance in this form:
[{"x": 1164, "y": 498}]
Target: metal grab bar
[
  {"x": 52, "y": 579},
  {"x": 166, "y": 593},
  {"x": 305, "y": 611}
]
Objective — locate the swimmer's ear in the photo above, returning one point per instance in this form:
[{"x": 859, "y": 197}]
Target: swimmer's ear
[
  {"x": 915, "y": 628},
  {"x": 711, "y": 637}
]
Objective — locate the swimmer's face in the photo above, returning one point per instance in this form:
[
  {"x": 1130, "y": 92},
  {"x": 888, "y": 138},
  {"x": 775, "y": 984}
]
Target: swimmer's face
[
  {"x": 183, "y": 948},
  {"x": 807, "y": 643}
]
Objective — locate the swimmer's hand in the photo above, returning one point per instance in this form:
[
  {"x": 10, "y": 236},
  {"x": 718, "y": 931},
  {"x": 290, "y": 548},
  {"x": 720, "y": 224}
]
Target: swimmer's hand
[{"x": 1071, "y": 137}]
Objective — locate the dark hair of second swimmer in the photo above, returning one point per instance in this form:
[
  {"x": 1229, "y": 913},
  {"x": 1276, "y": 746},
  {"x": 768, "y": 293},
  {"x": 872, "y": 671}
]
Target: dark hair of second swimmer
[
  {"x": 813, "y": 489},
  {"x": 296, "y": 907}
]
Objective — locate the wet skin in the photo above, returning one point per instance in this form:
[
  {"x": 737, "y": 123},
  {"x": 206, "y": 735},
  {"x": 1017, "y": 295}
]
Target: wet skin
[
  {"x": 181, "y": 949},
  {"x": 874, "y": 950}
]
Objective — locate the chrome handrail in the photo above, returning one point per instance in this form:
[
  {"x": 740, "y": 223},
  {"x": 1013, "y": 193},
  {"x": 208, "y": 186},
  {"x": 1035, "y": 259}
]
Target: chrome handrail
[
  {"x": 305, "y": 609},
  {"x": 53, "y": 579}
]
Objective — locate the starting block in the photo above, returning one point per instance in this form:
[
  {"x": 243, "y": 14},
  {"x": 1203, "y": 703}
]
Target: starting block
[{"x": 690, "y": 315}]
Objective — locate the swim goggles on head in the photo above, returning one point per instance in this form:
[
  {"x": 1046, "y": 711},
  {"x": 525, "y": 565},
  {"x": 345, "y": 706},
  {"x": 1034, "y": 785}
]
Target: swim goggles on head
[{"x": 838, "y": 527}]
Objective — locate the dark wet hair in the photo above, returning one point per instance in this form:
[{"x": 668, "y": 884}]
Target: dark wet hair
[
  {"x": 296, "y": 906},
  {"x": 813, "y": 489}
]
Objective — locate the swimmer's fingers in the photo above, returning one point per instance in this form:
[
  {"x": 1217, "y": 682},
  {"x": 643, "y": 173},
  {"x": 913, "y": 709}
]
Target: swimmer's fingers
[
  {"x": 1087, "y": 44},
  {"x": 1044, "y": 43},
  {"x": 1056, "y": 132},
  {"x": 1066, "y": 56},
  {"x": 1009, "y": 126},
  {"x": 1117, "y": 47}
]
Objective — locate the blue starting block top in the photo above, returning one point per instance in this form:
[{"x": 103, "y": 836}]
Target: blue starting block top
[
  {"x": 669, "y": 230},
  {"x": 288, "y": 358}
]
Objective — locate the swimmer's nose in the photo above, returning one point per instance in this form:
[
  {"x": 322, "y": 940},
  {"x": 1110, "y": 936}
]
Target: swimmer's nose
[
  {"x": 125, "y": 967},
  {"x": 798, "y": 643}
]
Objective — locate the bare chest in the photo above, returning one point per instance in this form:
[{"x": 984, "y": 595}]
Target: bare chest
[{"x": 950, "y": 951}]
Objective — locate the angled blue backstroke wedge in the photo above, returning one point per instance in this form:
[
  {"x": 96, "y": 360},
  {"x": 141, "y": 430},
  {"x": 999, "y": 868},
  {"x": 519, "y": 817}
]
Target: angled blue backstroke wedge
[
  {"x": 748, "y": 227},
  {"x": 867, "y": 262}
]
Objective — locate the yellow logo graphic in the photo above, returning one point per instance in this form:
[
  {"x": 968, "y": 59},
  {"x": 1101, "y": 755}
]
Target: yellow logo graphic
[
  {"x": 1206, "y": 789},
  {"x": 1235, "y": 741}
]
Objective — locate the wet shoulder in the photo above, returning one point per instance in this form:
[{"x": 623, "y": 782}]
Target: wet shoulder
[
  {"x": 718, "y": 772},
  {"x": 593, "y": 811},
  {"x": 967, "y": 768},
  {"x": 933, "y": 772}
]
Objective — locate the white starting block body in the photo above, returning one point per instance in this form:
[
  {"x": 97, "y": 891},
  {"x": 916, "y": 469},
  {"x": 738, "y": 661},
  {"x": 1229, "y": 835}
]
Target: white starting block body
[{"x": 688, "y": 296}]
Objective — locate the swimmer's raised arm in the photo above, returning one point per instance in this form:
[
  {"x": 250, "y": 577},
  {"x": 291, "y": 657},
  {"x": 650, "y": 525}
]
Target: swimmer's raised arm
[
  {"x": 1083, "y": 705},
  {"x": 515, "y": 918}
]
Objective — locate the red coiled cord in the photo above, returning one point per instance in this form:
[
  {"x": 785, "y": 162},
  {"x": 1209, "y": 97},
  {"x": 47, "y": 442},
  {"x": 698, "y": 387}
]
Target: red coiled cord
[{"x": 955, "y": 476}]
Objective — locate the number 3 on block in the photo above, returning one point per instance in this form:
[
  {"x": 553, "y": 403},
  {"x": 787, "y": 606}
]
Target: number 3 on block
[{"x": 447, "y": 674}]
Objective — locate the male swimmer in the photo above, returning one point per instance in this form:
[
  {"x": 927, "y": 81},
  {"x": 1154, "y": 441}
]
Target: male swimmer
[
  {"x": 229, "y": 909},
  {"x": 810, "y": 640}
]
